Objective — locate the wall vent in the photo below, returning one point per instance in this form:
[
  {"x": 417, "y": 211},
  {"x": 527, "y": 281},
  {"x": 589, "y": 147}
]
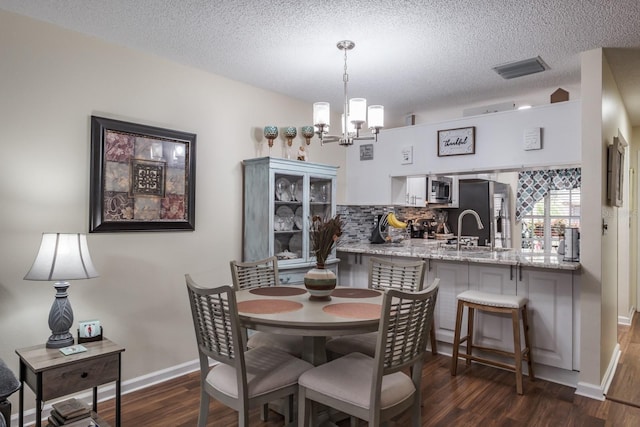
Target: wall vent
[{"x": 521, "y": 68}]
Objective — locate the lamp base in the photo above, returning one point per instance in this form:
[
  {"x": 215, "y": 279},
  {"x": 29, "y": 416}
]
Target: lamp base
[
  {"x": 60, "y": 318},
  {"x": 60, "y": 340}
]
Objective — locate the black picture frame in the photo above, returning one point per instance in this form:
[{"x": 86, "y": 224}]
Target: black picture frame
[
  {"x": 142, "y": 178},
  {"x": 615, "y": 171},
  {"x": 457, "y": 142}
]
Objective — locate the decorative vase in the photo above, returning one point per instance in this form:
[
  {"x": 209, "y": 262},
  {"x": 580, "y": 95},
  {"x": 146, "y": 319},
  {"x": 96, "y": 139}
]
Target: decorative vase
[
  {"x": 320, "y": 282},
  {"x": 271, "y": 133},
  {"x": 290, "y": 133},
  {"x": 307, "y": 133}
]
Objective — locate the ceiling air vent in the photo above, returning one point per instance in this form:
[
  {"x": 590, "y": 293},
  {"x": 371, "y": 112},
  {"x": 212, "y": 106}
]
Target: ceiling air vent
[{"x": 521, "y": 68}]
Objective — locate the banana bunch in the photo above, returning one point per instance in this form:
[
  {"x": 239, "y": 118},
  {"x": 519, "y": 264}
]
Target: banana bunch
[{"x": 395, "y": 222}]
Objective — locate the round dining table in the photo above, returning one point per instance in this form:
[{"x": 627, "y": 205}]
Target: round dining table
[{"x": 291, "y": 310}]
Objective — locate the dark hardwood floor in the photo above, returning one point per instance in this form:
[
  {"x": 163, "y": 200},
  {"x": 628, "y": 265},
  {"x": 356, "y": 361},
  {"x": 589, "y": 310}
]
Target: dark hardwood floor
[
  {"x": 625, "y": 387},
  {"x": 477, "y": 396}
]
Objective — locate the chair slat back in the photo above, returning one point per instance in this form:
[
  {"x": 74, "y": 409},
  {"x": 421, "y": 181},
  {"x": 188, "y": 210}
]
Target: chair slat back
[
  {"x": 256, "y": 274},
  {"x": 215, "y": 320},
  {"x": 405, "y": 276},
  {"x": 406, "y": 320}
]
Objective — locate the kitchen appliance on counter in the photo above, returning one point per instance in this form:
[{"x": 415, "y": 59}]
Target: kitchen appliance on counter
[
  {"x": 439, "y": 190},
  {"x": 570, "y": 245},
  {"x": 417, "y": 229},
  {"x": 491, "y": 200}
]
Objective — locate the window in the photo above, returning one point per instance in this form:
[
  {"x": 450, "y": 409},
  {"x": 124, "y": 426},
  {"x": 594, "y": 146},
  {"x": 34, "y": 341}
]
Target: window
[{"x": 544, "y": 227}]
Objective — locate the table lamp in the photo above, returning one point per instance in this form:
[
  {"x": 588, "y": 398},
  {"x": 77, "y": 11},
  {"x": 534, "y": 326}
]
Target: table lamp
[{"x": 62, "y": 257}]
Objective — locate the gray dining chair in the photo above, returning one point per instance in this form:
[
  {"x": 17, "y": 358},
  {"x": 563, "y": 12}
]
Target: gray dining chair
[
  {"x": 383, "y": 274},
  {"x": 241, "y": 379},
  {"x": 258, "y": 274},
  {"x": 376, "y": 389}
]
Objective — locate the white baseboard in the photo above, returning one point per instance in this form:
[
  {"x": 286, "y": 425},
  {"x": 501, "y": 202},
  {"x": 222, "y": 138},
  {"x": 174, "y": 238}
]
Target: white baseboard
[
  {"x": 599, "y": 392},
  {"x": 611, "y": 369},
  {"x": 108, "y": 391},
  {"x": 628, "y": 319},
  {"x": 592, "y": 391}
]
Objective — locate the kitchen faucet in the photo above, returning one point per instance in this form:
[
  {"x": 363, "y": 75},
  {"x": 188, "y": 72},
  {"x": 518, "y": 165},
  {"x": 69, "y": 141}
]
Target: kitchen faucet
[{"x": 462, "y": 214}]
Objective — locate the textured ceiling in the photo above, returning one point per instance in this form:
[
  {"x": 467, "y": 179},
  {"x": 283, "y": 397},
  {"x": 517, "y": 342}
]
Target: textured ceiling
[{"x": 411, "y": 55}]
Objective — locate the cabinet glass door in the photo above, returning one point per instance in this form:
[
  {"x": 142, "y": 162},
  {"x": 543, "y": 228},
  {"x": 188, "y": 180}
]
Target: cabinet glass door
[
  {"x": 320, "y": 202},
  {"x": 288, "y": 216}
]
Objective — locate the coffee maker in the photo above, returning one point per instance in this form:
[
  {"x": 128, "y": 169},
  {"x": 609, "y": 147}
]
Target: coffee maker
[
  {"x": 416, "y": 229},
  {"x": 570, "y": 245}
]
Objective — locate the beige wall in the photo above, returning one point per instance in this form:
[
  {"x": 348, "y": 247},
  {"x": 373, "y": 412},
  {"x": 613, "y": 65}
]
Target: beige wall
[
  {"x": 52, "y": 81},
  {"x": 592, "y": 203},
  {"x": 634, "y": 189},
  {"x": 615, "y": 243},
  {"x": 602, "y": 115}
]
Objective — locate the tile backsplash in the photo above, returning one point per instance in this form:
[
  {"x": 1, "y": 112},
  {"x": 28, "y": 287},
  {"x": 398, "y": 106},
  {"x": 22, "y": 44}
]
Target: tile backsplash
[{"x": 359, "y": 219}]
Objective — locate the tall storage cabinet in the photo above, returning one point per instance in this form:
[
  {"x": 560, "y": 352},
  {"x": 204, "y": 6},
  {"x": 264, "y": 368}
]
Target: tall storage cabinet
[{"x": 280, "y": 198}]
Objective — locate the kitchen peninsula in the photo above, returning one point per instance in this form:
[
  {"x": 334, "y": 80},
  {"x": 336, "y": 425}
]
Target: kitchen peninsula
[{"x": 550, "y": 284}]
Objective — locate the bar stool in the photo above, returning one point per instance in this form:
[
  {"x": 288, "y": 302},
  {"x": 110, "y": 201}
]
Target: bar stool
[{"x": 495, "y": 303}]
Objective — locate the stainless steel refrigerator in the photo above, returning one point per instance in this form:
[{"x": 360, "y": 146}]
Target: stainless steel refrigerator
[{"x": 491, "y": 200}]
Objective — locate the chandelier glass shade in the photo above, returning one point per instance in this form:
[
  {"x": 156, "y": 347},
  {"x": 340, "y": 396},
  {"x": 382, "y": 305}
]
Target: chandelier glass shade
[{"x": 354, "y": 116}]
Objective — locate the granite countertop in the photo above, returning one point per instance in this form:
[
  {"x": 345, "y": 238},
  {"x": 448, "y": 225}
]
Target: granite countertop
[{"x": 433, "y": 249}]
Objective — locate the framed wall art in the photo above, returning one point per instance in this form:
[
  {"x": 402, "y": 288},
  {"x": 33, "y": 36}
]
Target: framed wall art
[
  {"x": 455, "y": 142},
  {"x": 142, "y": 177},
  {"x": 615, "y": 170},
  {"x": 366, "y": 152}
]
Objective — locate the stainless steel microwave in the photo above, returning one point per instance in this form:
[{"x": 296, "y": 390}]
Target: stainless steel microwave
[{"x": 439, "y": 189}]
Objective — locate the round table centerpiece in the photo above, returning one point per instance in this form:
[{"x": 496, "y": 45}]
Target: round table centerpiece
[{"x": 324, "y": 234}]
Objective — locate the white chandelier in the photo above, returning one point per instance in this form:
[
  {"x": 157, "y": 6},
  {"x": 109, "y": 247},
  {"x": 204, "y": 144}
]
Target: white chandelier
[{"x": 354, "y": 116}]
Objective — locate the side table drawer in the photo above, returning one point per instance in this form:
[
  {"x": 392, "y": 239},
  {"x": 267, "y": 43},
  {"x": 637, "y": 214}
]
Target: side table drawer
[{"x": 79, "y": 376}]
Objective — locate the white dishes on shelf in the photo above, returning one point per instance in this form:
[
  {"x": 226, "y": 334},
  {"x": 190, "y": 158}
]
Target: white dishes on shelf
[
  {"x": 297, "y": 218},
  {"x": 295, "y": 244},
  {"x": 283, "y": 190},
  {"x": 283, "y": 220}
]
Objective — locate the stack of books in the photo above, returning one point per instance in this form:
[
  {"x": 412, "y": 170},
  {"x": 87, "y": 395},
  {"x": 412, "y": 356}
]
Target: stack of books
[{"x": 69, "y": 412}]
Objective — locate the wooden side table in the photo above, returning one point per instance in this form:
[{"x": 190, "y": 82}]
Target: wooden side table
[{"x": 50, "y": 374}]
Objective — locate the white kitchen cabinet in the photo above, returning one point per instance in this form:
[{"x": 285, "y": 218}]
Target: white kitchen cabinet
[
  {"x": 550, "y": 294},
  {"x": 354, "y": 269},
  {"x": 280, "y": 197},
  {"x": 416, "y": 190},
  {"x": 493, "y": 330},
  {"x": 550, "y": 309},
  {"x": 409, "y": 190},
  {"x": 412, "y": 191},
  {"x": 454, "y": 279},
  {"x": 549, "y": 291}
]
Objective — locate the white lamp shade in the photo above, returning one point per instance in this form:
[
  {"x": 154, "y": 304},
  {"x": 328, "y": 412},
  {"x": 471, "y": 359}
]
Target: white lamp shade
[
  {"x": 376, "y": 116},
  {"x": 358, "y": 110},
  {"x": 62, "y": 257},
  {"x": 321, "y": 113}
]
